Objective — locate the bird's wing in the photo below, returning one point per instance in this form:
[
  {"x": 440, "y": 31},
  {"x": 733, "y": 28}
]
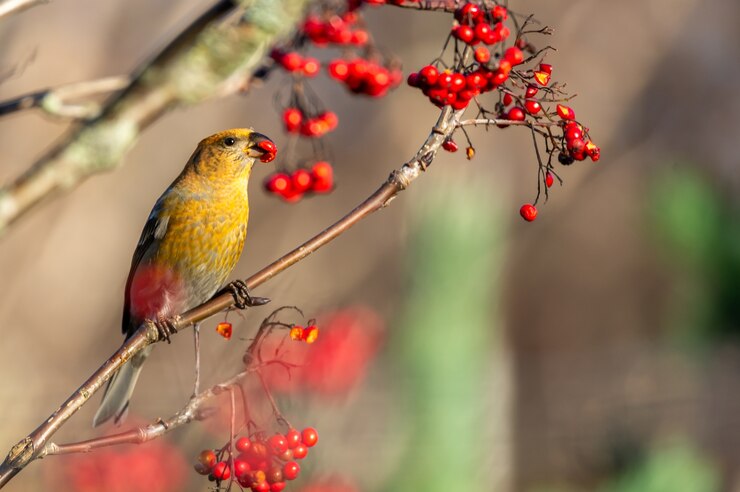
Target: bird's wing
[{"x": 154, "y": 230}]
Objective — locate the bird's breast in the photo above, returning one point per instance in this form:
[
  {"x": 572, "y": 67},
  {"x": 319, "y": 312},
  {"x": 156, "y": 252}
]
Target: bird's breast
[{"x": 203, "y": 243}]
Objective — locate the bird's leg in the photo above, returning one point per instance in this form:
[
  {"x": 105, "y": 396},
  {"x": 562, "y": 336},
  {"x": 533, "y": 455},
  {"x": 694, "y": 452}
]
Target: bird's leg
[
  {"x": 196, "y": 338},
  {"x": 242, "y": 299},
  {"x": 165, "y": 327}
]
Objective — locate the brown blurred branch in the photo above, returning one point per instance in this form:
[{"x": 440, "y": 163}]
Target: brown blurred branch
[
  {"x": 56, "y": 101},
  {"x": 30, "y": 447},
  {"x": 212, "y": 57},
  {"x": 10, "y": 7}
]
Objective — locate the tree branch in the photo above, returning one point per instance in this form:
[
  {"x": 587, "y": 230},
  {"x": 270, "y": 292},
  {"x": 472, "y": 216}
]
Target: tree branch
[
  {"x": 31, "y": 447},
  {"x": 55, "y": 101},
  {"x": 212, "y": 57},
  {"x": 10, "y": 7}
]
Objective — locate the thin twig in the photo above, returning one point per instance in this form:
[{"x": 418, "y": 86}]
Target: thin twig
[
  {"x": 28, "y": 448},
  {"x": 56, "y": 101}
]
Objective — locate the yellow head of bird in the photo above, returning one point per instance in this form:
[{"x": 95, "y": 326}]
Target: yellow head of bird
[{"x": 231, "y": 153}]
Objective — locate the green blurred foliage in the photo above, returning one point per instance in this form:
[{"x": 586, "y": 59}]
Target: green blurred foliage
[
  {"x": 677, "y": 467},
  {"x": 698, "y": 230},
  {"x": 444, "y": 338}
]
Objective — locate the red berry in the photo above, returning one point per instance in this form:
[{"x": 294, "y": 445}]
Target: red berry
[
  {"x": 221, "y": 471},
  {"x": 593, "y": 151},
  {"x": 338, "y": 69},
  {"x": 546, "y": 67},
  {"x": 458, "y": 82},
  {"x": 573, "y": 133},
  {"x": 207, "y": 458},
  {"x": 475, "y": 81},
  {"x": 300, "y": 451},
  {"x": 261, "y": 486},
  {"x": 243, "y": 444},
  {"x": 516, "y": 114},
  {"x": 360, "y": 37},
  {"x": 292, "y": 118},
  {"x": 532, "y": 106},
  {"x": 499, "y": 13},
  {"x": 277, "y": 183},
  {"x": 310, "y": 67},
  {"x": 414, "y": 80},
  {"x": 274, "y": 474},
  {"x": 507, "y": 99},
  {"x": 330, "y": 118},
  {"x": 241, "y": 467},
  {"x": 464, "y": 34},
  {"x": 277, "y": 486},
  {"x": 514, "y": 55},
  {"x": 323, "y": 177},
  {"x": 483, "y": 31},
  {"x": 428, "y": 75},
  {"x": 468, "y": 12},
  {"x": 549, "y": 180},
  {"x": 528, "y": 212},
  {"x": 450, "y": 146},
  {"x": 444, "y": 81},
  {"x": 531, "y": 91},
  {"x": 277, "y": 444},
  {"x": 542, "y": 78},
  {"x": 291, "y": 61},
  {"x": 293, "y": 437},
  {"x": 310, "y": 436},
  {"x": 565, "y": 112},
  {"x": 482, "y": 54},
  {"x": 291, "y": 470}
]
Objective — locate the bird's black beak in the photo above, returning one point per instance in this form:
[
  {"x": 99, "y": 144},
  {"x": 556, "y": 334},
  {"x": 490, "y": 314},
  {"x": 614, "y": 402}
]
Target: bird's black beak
[{"x": 261, "y": 147}]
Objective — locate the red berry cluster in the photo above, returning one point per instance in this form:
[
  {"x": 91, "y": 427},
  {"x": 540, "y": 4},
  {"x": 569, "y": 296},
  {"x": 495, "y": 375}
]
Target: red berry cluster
[
  {"x": 263, "y": 464},
  {"x": 336, "y": 29},
  {"x": 294, "y": 62},
  {"x": 307, "y": 334},
  {"x": 457, "y": 88},
  {"x": 480, "y": 24},
  {"x": 362, "y": 76},
  {"x": 295, "y": 121},
  {"x": 578, "y": 145},
  {"x": 293, "y": 186}
]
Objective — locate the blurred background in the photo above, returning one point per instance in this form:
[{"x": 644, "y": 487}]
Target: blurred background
[{"x": 593, "y": 349}]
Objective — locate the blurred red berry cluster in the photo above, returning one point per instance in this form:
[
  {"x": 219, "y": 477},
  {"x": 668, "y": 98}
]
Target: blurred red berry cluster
[
  {"x": 259, "y": 462},
  {"x": 155, "y": 466},
  {"x": 366, "y": 77},
  {"x": 292, "y": 186},
  {"x": 337, "y": 361}
]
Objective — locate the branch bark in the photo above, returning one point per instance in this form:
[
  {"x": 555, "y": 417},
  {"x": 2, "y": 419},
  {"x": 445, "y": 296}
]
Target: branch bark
[
  {"x": 10, "y": 7},
  {"x": 212, "y": 57},
  {"x": 31, "y": 447}
]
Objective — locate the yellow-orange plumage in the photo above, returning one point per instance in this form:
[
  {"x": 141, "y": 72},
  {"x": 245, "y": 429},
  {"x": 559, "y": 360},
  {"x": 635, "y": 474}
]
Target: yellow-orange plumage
[{"x": 190, "y": 244}]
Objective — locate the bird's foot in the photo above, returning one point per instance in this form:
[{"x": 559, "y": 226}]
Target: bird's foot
[
  {"x": 242, "y": 298},
  {"x": 165, "y": 327}
]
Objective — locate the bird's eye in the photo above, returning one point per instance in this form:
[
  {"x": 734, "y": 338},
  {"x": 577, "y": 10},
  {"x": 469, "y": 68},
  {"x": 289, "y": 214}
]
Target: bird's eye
[{"x": 229, "y": 141}]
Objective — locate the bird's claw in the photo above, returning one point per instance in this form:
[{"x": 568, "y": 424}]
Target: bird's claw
[
  {"x": 165, "y": 327},
  {"x": 242, "y": 298}
]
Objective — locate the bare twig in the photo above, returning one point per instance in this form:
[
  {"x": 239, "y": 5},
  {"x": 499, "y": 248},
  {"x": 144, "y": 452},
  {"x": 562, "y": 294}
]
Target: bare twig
[
  {"x": 30, "y": 447},
  {"x": 56, "y": 101},
  {"x": 187, "y": 414},
  {"x": 10, "y": 7},
  {"x": 210, "y": 58},
  {"x": 497, "y": 121}
]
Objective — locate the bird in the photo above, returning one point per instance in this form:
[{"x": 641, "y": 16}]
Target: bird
[{"x": 191, "y": 242}]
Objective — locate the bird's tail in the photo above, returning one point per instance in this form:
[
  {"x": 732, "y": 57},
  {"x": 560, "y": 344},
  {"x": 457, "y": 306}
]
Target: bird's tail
[{"x": 118, "y": 392}]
